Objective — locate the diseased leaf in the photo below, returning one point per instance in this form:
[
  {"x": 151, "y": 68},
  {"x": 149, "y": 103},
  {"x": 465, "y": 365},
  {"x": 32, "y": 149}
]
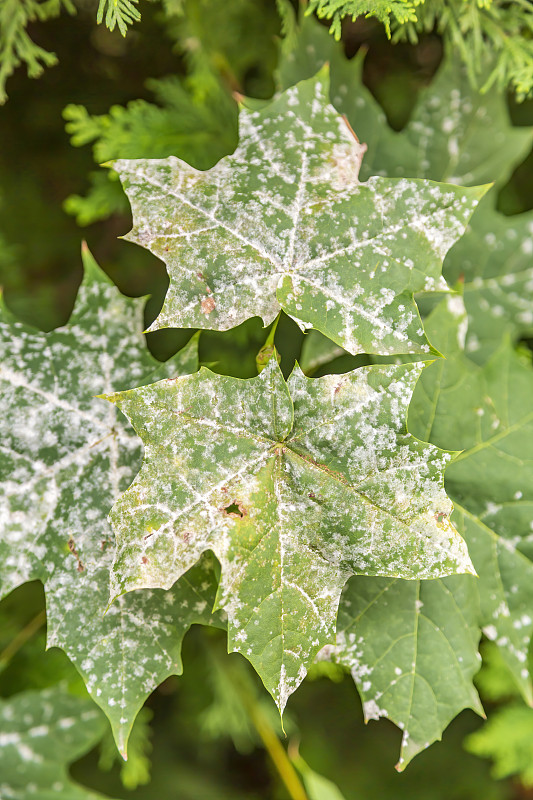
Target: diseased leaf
[
  {"x": 294, "y": 486},
  {"x": 64, "y": 457},
  {"x": 446, "y": 137},
  {"x": 494, "y": 261},
  {"x": 411, "y": 647},
  {"x": 487, "y": 412},
  {"x": 285, "y": 223},
  {"x": 40, "y": 734},
  {"x": 446, "y": 140}
]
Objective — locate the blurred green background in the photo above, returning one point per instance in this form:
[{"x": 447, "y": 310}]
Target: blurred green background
[{"x": 196, "y": 733}]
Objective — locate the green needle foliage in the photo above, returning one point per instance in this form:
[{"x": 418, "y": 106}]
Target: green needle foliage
[
  {"x": 402, "y": 11},
  {"x": 482, "y": 31},
  {"x": 197, "y": 124},
  {"x": 118, "y": 13},
  {"x": 16, "y": 45}
]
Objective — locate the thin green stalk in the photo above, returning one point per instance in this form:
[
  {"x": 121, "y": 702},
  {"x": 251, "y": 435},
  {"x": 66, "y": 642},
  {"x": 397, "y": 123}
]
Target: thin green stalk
[
  {"x": 267, "y": 734},
  {"x": 276, "y": 751},
  {"x": 21, "y": 638}
]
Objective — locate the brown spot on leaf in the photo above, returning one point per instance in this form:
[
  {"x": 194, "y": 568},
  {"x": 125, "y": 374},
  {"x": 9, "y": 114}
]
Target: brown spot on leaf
[
  {"x": 72, "y": 547},
  {"x": 207, "y": 305}
]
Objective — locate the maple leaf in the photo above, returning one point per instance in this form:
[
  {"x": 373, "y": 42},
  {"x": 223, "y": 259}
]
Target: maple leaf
[
  {"x": 43, "y": 732},
  {"x": 444, "y": 140},
  {"x": 445, "y": 137},
  {"x": 494, "y": 264},
  {"x": 64, "y": 457},
  {"x": 284, "y": 223},
  {"x": 486, "y": 412},
  {"x": 411, "y": 645},
  {"x": 294, "y": 486}
]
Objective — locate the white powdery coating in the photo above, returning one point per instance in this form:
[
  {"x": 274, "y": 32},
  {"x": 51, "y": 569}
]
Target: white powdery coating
[
  {"x": 496, "y": 264},
  {"x": 411, "y": 647},
  {"x": 456, "y": 307},
  {"x": 293, "y": 487},
  {"x": 41, "y": 733},
  {"x": 285, "y": 222},
  {"x": 65, "y": 456}
]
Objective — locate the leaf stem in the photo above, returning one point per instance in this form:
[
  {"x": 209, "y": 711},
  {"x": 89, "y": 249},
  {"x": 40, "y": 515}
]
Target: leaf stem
[
  {"x": 276, "y": 751},
  {"x": 21, "y": 638},
  {"x": 264, "y": 729}
]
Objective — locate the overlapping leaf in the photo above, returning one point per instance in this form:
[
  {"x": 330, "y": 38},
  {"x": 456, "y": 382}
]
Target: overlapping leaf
[
  {"x": 385, "y": 636},
  {"x": 64, "y": 457},
  {"x": 488, "y": 412},
  {"x": 40, "y": 734},
  {"x": 294, "y": 486},
  {"x": 411, "y": 647},
  {"x": 494, "y": 261},
  {"x": 446, "y": 137},
  {"x": 285, "y": 223}
]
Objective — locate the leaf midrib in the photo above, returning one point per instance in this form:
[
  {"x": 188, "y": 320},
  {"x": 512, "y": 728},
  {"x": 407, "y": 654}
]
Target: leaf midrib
[
  {"x": 281, "y": 266},
  {"x": 284, "y": 446},
  {"x": 496, "y": 438}
]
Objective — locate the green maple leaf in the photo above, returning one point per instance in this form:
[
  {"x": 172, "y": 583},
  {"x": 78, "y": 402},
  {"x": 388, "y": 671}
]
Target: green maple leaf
[
  {"x": 445, "y": 138},
  {"x": 464, "y": 406},
  {"x": 41, "y": 733},
  {"x": 64, "y": 457},
  {"x": 411, "y": 645},
  {"x": 494, "y": 246},
  {"x": 285, "y": 223},
  {"x": 494, "y": 263},
  {"x": 294, "y": 486},
  {"x": 486, "y": 411}
]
